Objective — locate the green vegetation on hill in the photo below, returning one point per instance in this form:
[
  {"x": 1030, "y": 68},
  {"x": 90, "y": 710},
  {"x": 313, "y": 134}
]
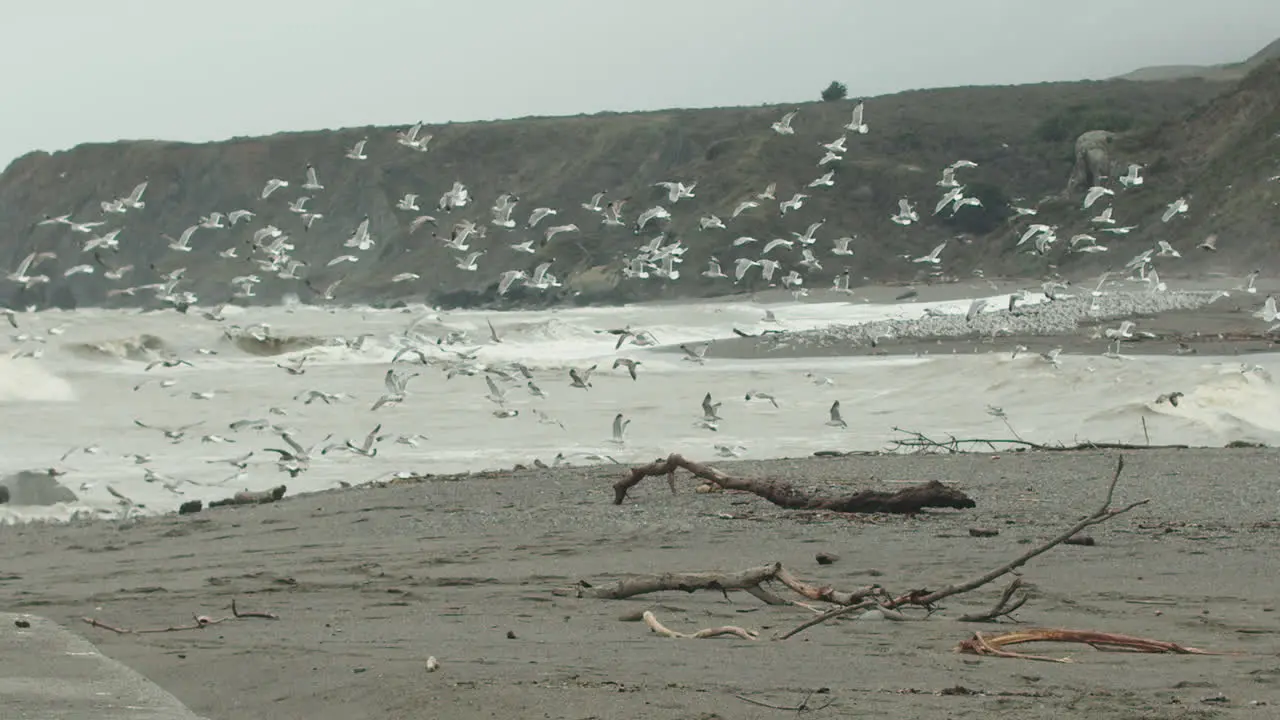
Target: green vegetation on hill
[{"x": 1020, "y": 136}]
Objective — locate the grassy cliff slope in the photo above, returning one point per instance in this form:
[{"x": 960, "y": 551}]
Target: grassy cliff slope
[{"x": 1020, "y": 136}]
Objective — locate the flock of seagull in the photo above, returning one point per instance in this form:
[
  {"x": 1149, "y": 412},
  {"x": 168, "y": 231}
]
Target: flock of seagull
[{"x": 783, "y": 261}]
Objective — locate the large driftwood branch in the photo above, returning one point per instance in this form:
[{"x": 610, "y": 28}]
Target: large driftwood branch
[{"x": 907, "y": 500}]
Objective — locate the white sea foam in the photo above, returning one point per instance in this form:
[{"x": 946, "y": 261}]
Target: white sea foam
[
  {"x": 80, "y": 392},
  {"x": 26, "y": 380}
]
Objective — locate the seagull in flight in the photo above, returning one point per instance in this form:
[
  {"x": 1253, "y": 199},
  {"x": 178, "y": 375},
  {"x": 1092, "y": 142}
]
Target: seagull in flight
[
  {"x": 272, "y": 185},
  {"x": 366, "y": 448},
  {"x": 620, "y": 428},
  {"x": 1133, "y": 177},
  {"x": 906, "y": 213},
  {"x": 357, "y": 151},
  {"x": 174, "y": 434},
  {"x": 855, "y": 123},
  {"x": 932, "y": 257},
  {"x": 698, "y": 354},
  {"x": 1176, "y": 207},
  {"x": 783, "y": 126},
  {"x": 580, "y": 379},
  {"x": 312, "y": 183},
  {"x": 762, "y": 396},
  {"x": 629, "y": 364},
  {"x": 1096, "y": 192},
  {"x": 836, "y": 420},
  {"x": 709, "y": 409}
]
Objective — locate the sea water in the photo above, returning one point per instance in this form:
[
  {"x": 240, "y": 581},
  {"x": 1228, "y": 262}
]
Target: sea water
[{"x": 89, "y": 384}]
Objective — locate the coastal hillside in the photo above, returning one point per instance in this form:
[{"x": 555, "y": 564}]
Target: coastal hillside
[
  {"x": 1021, "y": 138},
  {"x": 1227, "y": 72},
  {"x": 1222, "y": 158}
]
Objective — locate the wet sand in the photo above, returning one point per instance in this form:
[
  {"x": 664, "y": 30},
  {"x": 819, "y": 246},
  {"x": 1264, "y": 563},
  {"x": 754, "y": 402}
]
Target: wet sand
[{"x": 369, "y": 582}]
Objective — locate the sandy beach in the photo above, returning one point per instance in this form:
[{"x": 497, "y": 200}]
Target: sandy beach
[{"x": 368, "y": 583}]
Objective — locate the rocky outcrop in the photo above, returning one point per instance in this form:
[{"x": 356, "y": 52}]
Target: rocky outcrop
[
  {"x": 1093, "y": 160},
  {"x": 1222, "y": 157},
  {"x": 558, "y": 163}
]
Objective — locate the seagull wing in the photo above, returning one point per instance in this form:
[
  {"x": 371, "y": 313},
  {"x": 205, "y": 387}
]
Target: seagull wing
[{"x": 371, "y": 437}]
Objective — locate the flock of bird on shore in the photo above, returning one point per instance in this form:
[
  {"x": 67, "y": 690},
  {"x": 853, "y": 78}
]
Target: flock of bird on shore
[{"x": 780, "y": 261}]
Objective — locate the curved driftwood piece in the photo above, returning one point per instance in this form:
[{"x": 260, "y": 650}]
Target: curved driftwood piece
[
  {"x": 907, "y": 500},
  {"x": 993, "y": 645},
  {"x": 652, "y": 621}
]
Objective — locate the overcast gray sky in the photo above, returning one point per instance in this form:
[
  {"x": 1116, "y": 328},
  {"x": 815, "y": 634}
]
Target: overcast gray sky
[{"x": 100, "y": 70}]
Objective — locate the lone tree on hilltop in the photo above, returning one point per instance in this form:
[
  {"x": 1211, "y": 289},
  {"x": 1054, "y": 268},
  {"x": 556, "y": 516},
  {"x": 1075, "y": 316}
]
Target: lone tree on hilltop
[{"x": 835, "y": 91}]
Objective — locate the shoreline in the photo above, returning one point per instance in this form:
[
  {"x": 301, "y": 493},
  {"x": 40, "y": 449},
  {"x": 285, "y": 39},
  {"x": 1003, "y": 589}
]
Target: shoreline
[
  {"x": 369, "y": 582},
  {"x": 1223, "y": 327}
]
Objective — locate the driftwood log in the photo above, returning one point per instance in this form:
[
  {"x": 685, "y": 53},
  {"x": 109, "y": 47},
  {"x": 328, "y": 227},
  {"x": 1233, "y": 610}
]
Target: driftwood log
[
  {"x": 907, "y": 500},
  {"x": 251, "y": 497},
  {"x": 652, "y": 621},
  {"x": 993, "y": 645},
  {"x": 747, "y": 580}
]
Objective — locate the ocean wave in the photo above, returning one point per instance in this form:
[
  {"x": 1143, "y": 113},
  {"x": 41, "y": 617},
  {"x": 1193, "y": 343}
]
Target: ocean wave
[
  {"x": 139, "y": 347},
  {"x": 263, "y": 344},
  {"x": 1230, "y": 405},
  {"x": 549, "y": 329},
  {"x": 24, "y": 380}
]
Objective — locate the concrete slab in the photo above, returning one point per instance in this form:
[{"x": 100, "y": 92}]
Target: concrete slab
[{"x": 49, "y": 673}]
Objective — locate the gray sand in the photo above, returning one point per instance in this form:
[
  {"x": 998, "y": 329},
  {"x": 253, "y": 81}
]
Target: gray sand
[{"x": 370, "y": 582}]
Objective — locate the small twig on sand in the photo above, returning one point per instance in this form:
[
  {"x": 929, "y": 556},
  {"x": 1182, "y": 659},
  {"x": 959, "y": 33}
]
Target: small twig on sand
[
  {"x": 235, "y": 612},
  {"x": 199, "y": 622},
  {"x": 802, "y": 706},
  {"x": 828, "y": 615},
  {"x": 1003, "y": 607},
  {"x": 652, "y": 621},
  {"x": 919, "y": 442},
  {"x": 1145, "y": 435},
  {"x": 993, "y": 645},
  {"x": 911, "y": 499}
]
